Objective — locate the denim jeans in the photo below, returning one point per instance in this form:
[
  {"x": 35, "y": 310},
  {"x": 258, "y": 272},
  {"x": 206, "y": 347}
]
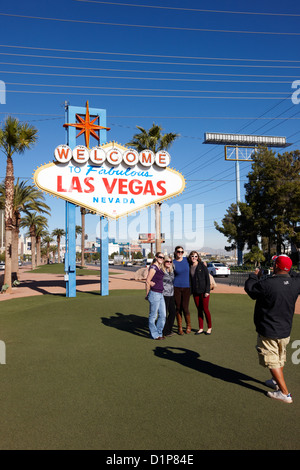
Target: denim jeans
[{"x": 157, "y": 313}]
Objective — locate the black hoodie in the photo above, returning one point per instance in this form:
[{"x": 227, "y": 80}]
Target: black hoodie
[{"x": 275, "y": 297}]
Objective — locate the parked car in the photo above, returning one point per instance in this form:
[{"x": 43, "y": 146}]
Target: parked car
[
  {"x": 218, "y": 269},
  {"x": 128, "y": 263},
  {"x": 111, "y": 261},
  {"x": 2, "y": 266}
]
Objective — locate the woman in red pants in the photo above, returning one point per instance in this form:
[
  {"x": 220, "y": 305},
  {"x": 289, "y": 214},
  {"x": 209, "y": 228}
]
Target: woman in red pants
[{"x": 200, "y": 288}]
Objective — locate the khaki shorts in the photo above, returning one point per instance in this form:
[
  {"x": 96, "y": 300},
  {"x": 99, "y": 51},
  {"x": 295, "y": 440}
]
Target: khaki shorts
[{"x": 272, "y": 352}]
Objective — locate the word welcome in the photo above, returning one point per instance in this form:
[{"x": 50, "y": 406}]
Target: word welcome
[{"x": 112, "y": 155}]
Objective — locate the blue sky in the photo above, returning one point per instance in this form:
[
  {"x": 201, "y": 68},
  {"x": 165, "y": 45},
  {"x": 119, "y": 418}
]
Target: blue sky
[{"x": 191, "y": 67}]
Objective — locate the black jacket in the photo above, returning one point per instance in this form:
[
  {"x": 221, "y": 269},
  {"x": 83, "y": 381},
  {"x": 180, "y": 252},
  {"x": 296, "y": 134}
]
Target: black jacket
[
  {"x": 200, "y": 282},
  {"x": 275, "y": 297}
]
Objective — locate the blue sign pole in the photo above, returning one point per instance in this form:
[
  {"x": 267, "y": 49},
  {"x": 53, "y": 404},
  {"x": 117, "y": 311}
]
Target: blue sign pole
[
  {"x": 70, "y": 258},
  {"x": 104, "y": 256}
]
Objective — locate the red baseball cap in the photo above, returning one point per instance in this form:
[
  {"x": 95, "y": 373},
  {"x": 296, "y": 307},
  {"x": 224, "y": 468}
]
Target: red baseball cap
[{"x": 283, "y": 262}]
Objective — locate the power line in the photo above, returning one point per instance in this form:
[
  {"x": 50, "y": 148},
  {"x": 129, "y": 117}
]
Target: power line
[
  {"x": 159, "y": 72},
  {"x": 146, "y": 55},
  {"x": 189, "y": 9},
  {"x": 170, "y": 28},
  {"x": 130, "y": 78},
  {"x": 150, "y": 62},
  {"x": 161, "y": 117},
  {"x": 146, "y": 96},
  {"x": 148, "y": 89}
]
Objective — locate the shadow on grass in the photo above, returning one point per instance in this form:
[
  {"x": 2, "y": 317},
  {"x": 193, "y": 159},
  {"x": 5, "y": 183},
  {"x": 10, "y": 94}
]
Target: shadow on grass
[
  {"x": 45, "y": 286},
  {"x": 133, "y": 324},
  {"x": 191, "y": 359}
]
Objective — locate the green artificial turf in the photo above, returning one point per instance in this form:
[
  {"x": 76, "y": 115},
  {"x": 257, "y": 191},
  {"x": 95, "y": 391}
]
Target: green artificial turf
[{"x": 83, "y": 373}]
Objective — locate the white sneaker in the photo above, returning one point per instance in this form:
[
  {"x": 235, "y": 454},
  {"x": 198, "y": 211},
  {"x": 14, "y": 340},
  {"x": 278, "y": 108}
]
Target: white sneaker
[
  {"x": 272, "y": 384},
  {"x": 278, "y": 395}
]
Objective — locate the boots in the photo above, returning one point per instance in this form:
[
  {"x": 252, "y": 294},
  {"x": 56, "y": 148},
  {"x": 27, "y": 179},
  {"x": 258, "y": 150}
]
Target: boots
[
  {"x": 188, "y": 323},
  {"x": 179, "y": 323}
]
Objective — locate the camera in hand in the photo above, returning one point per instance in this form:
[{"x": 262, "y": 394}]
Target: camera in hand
[{"x": 263, "y": 271}]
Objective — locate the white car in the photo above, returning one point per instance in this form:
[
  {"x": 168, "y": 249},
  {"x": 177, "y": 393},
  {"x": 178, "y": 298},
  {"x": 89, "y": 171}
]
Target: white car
[
  {"x": 111, "y": 261},
  {"x": 218, "y": 269},
  {"x": 2, "y": 266}
]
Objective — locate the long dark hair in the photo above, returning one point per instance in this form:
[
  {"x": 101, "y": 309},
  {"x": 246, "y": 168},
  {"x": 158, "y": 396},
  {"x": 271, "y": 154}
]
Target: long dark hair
[{"x": 190, "y": 257}]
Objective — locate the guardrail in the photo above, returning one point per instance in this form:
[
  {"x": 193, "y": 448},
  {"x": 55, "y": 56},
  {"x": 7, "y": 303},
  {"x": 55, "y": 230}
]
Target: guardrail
[{"x": 238, "y": 278}]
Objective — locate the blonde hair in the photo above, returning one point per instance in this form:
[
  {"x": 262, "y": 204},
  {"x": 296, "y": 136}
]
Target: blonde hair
[{"x": 168, "y": 258}]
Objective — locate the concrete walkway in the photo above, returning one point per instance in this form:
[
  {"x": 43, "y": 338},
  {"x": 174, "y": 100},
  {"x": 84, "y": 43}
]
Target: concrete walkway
[{"x": 39, "y": 284}]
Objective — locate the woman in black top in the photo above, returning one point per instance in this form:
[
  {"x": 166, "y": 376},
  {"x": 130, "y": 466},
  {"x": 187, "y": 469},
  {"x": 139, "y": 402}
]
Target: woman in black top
[{"x": 200, "y": 288}]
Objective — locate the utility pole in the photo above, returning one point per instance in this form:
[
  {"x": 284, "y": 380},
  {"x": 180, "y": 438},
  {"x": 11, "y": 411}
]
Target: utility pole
[{"x": 158, "y": 227}]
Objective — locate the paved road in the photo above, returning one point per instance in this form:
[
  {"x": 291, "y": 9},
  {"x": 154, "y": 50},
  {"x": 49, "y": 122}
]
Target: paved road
[{"x": 233, "y": 279}]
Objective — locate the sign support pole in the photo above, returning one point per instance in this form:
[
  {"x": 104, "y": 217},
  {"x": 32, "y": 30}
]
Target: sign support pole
[
  {"x": 104, "y": 256},
  {"x": 70, "y": 259},
  {"x": 70, "y": 255}
]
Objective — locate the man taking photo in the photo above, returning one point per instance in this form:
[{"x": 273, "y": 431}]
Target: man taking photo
[{"x": 275, "y": 296}]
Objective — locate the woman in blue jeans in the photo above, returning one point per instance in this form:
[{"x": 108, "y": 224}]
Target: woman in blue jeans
[{"x": 154, "y": 294}]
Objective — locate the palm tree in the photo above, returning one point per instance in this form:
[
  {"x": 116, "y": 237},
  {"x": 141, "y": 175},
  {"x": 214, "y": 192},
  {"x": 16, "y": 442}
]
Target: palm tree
[
  {"x": 14, "y": 138},
  {"x": 26, "y": 198},
  {"x": 58, "y": 233},
  {"x": 33, "y": 221},
  {"x": 53, "y": 250},
  {"x": 154, "y": 140},
  {"x": 39, "y": 232},
  {"x": 47, "y": 239}
]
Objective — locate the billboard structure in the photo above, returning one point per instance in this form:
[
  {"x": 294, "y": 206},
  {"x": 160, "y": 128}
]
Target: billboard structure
[
  {"x": 150, "y": 238},
  {"x": 240, "y": 148}
]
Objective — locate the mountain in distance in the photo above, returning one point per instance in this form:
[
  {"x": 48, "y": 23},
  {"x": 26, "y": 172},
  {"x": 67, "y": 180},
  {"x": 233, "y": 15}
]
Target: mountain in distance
[{"x": 216, "y": 251}]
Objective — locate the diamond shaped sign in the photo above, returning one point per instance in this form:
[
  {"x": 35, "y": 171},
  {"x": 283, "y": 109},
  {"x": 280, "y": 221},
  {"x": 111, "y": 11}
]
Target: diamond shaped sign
[{"x": 111, "y": 179}]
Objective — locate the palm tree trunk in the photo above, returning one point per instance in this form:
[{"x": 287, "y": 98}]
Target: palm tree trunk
[
  {"x": 48, "y": 252},
  {"x": 33, "y": 262},
  {"x": 15, "y": 245},
  {"x": 58, "y": 249},
  {"x": 9, "y": 204},
  {"x": 38, "y": 251},
  {"x": 15, "y": 254}
]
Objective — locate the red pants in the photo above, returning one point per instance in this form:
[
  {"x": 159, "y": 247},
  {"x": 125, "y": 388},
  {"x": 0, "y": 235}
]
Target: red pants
[{"x": 202, "y": 305}]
